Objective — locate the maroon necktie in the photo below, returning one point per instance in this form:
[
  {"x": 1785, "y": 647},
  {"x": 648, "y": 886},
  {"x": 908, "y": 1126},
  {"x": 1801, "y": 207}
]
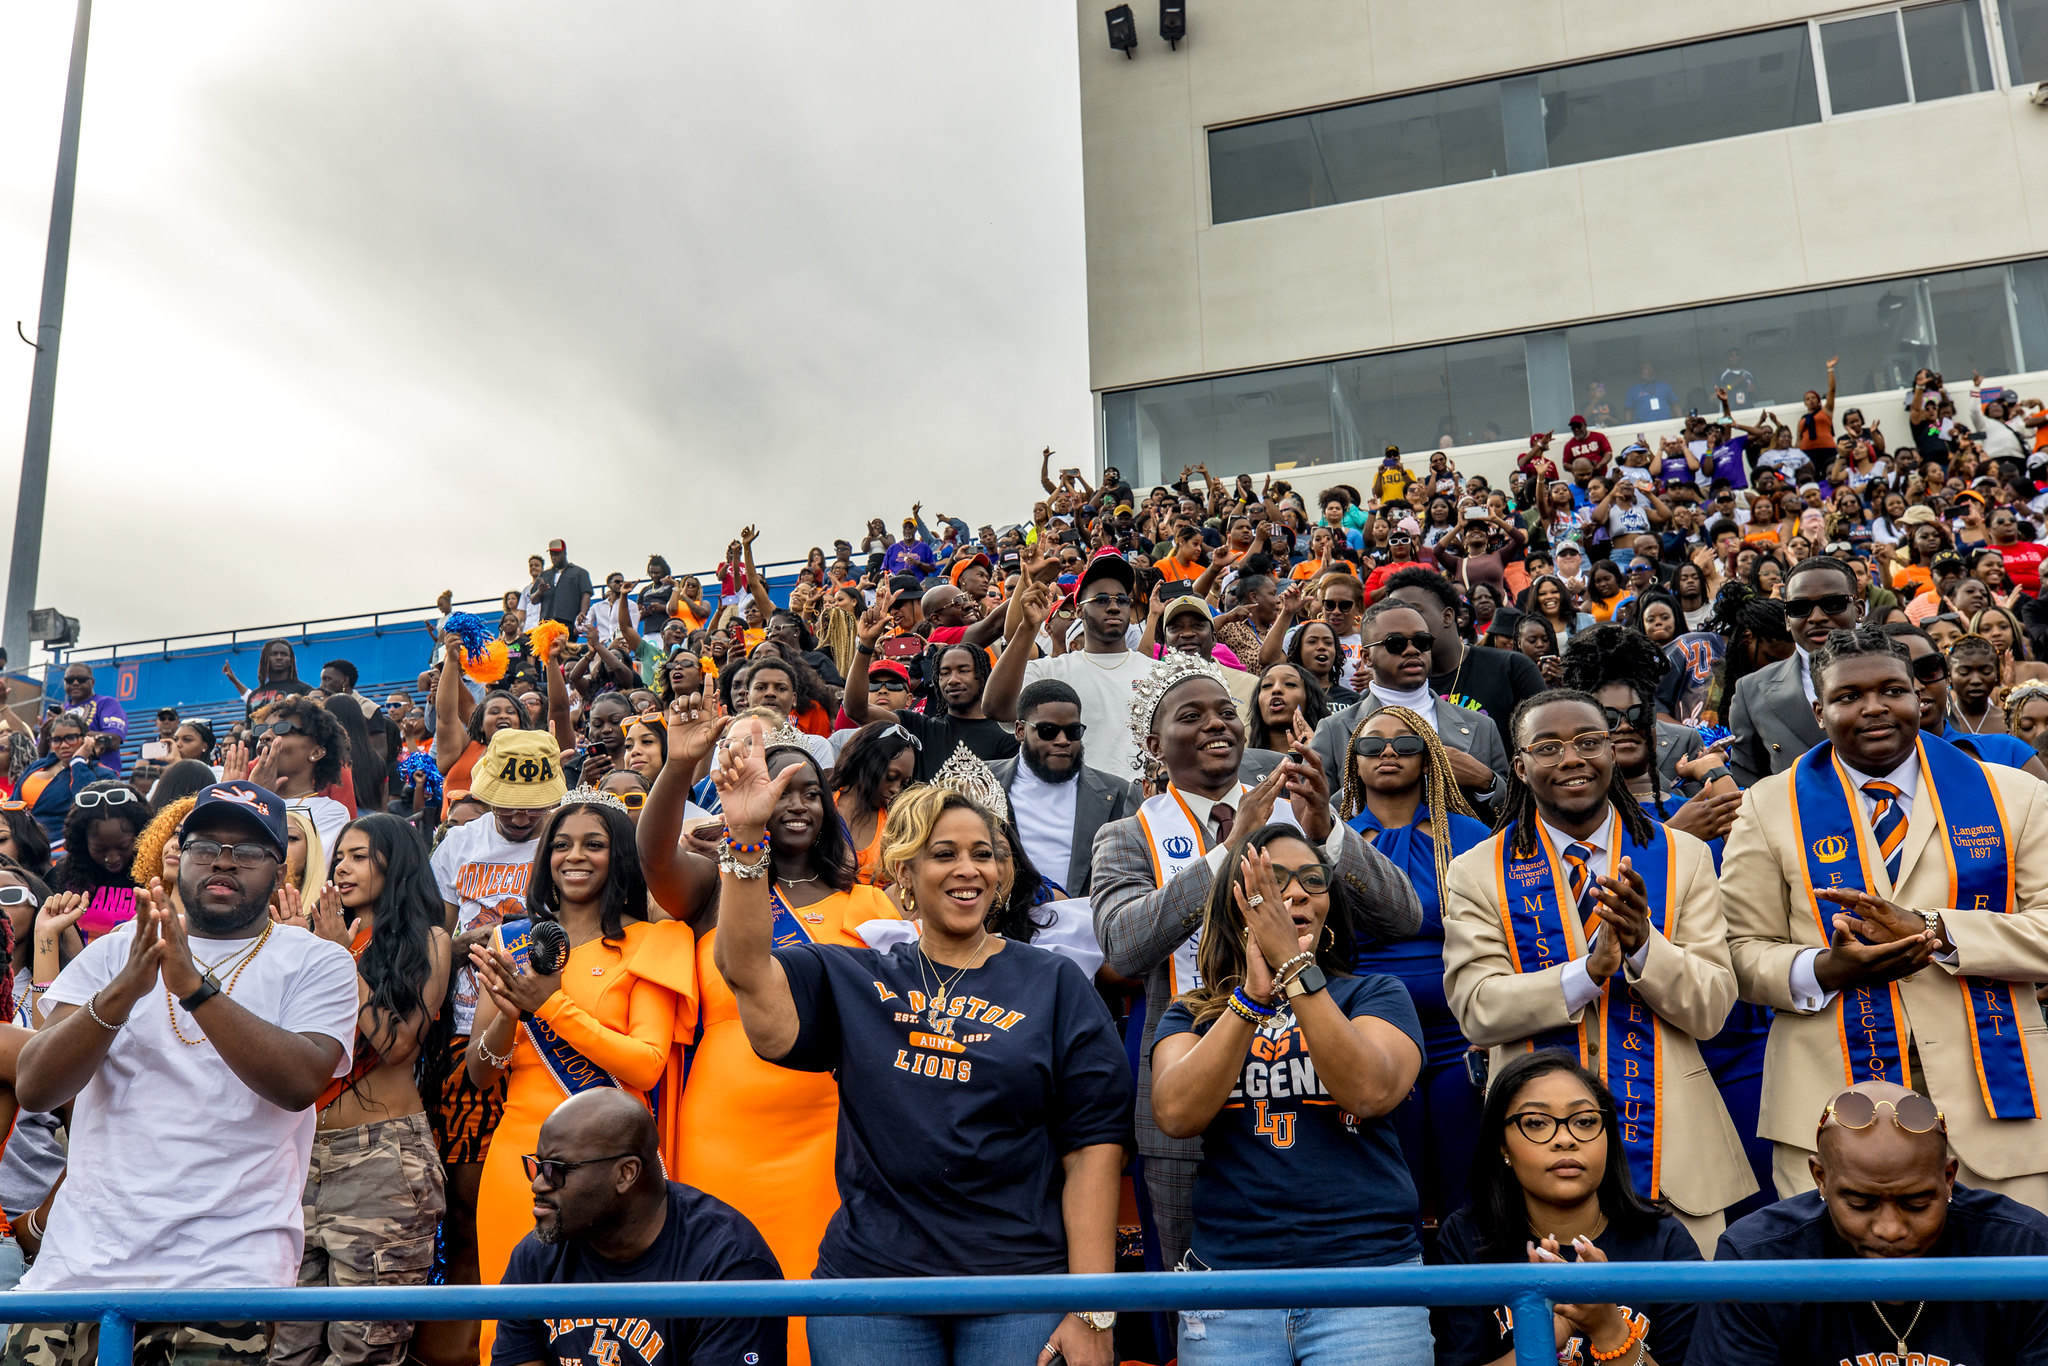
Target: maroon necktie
[{"x": 1225, "y": 815}]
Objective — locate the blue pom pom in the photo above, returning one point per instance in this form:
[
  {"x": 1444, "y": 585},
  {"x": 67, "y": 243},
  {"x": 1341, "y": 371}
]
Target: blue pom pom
[
  {"x": 1711, "y": 734},
  {"x": 420, "y": 767},
  {"x": 475, "y": 632}
]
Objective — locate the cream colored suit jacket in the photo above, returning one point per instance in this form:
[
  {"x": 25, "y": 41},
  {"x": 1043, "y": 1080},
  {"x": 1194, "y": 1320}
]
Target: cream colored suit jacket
[
  {"x": 1770, "y": 919},
  {"x": 1686, "y": 979}
]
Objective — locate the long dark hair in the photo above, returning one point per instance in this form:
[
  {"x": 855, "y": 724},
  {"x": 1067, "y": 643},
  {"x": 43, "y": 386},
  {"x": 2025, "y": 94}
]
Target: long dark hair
[
  {"x": 399, "y": 959},
  {"x": 1499, "y": 1210},
  {"x": 831, "y": 853},
  {"x": 365, "y": 769},
  {"x": 1222, "y": 952},
  {"x": 625, "y": 886},
  {"x": 864, "y": 764},
  {"x": 1315, "y": 703},
  {"x": 80, "y": 871},
  {"x": 476, "y": 714},
  {"x": 1518, "y": 815},
  {"x": 31, "y": 842},
  {"x": 1017, "y": 917}
]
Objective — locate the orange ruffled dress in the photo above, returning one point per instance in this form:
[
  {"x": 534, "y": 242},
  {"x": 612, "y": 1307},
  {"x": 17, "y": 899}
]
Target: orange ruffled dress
[
  {"x": 762, "y": 1138},
  {"x": 628, "y": 1007}
]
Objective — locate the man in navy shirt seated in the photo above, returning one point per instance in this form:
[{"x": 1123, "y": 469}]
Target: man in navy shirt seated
[
  {"x": 1887, "y": 1188},
  {"x": 603, "y": 1213}
]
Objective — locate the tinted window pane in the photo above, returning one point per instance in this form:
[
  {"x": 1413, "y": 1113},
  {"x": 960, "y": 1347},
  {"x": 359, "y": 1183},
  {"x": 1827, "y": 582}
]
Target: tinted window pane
[
  {"x": 1414, "y": 143},
  {"x": 1236, "y": 424},
  {"x": 1720, "y": 89},
  {"x": 1646, "y": 369},
  {"x": 1262, "y": 168},
  {"x": 2025, "y": 24},
  {"x": 1489, "y": 390},
  {"x": 1402, "y": 399},
  {"x": 1972, "y": 322},
  {"x": 1945, "y": 44},
  {"x": 1865, "y": 70}
]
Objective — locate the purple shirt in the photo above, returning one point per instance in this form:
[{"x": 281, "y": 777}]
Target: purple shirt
[{"x": 103, "y": 715}]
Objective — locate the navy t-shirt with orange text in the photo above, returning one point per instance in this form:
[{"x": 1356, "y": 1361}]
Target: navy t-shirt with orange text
[{"x": 956, "y": 1129}]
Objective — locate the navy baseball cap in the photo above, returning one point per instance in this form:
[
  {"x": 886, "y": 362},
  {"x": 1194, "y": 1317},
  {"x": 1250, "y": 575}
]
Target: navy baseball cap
[{"x": 258, "y": 808}]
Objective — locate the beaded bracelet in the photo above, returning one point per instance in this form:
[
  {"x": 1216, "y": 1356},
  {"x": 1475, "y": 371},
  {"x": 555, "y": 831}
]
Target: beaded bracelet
[
  {"x": 1292, "y": 966},
  {"x": 759, "y": 846},
  {"x": 1258, "y": 1009},
  {"x": 1238, "y": 1008},
  {"x": 1638, "y": 1328}
]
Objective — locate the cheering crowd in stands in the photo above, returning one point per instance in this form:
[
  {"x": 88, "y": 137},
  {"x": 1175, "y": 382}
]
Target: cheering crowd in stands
[{"x": 1642, "y": 859}]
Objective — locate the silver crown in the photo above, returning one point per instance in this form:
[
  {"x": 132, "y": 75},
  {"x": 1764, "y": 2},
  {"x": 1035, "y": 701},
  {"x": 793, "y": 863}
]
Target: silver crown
[
  {"x": 1167, "y": 673},
  {"x": 785, "y": 736},
  {"x": 967, "y": 775},
  {"x": 594, "y": 796}
]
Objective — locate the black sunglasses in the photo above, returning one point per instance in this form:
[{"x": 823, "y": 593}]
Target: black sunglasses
[
  {"x": 1399, "y": 642},
  {"x": 1930, "y": 669},
  {"x": 1831, "y": 605},
  {"x": 1048, "y": 731},
  {"x": 1373, "y": 746},
  {"x": 555, "y": 1173},
  {"x": 285, "y": 727},
  {"x": 1636, "y": 718}
]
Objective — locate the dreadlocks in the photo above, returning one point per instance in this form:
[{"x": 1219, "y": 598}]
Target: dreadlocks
[
  {"x": 1621, "y": 654},
  {"x": 1440, "y": 793},
  {"x": 1518, "y": 814},
  {"x": 1745, "y": 619}
]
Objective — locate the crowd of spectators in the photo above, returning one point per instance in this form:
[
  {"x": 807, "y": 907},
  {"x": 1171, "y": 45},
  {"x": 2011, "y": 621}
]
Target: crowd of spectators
[{"x": 1644, "y": 858}]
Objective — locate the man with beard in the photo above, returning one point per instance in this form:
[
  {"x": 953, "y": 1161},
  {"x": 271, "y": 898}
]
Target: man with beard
[
  {"x": 187, "y": 1162},
  {"x": 603, "y": 1214},
  {"x": 1057, "y": 801},
  {"x": 958, "y": 674},
  {"x": 1101, "y": 672}
]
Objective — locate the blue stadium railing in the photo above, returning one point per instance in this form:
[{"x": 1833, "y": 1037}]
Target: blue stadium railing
[{"x": 1529, "y": 1290}]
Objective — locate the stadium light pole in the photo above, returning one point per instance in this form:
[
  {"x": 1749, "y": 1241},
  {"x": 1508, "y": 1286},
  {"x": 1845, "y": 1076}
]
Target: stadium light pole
[{"x": 42, "y": 393}]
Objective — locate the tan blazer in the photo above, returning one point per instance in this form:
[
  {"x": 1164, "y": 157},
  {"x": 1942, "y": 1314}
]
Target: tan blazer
[
  {"x": 1686, "y": 979},
  {"x": 1763, "y": 896}
]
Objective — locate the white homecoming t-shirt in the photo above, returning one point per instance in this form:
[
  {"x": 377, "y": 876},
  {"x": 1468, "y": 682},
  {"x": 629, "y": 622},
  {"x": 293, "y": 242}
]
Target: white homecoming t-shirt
[
  {"x": 179, "y": 1175},
  {"x": 483, "y": 875}
]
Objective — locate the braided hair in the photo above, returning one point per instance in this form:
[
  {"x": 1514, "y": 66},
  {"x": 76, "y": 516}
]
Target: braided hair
[
  {"x": 1441, "y": 796},
  {"x": 1744, "y": 618},
  {"x": 2018, "y": 695},
  {"x": 934, "y": 655},
  {"x": 1518, "y": 814},
  {"x": 1620, "y": 654}
]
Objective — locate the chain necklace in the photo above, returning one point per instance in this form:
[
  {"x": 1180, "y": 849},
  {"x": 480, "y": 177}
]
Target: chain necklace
[
  {"x": 1118, "y": 659},
  {"x": 227, "y": 988},
  {"x": 938, "y": 996},
  {"x": 1898, "y": 1336},
  {"x": 247, "y": 950}
]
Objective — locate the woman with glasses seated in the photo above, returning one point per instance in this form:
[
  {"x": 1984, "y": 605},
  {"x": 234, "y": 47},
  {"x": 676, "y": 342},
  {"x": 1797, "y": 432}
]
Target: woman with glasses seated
[
  {"x": 1550, "y": 1184},
  {"x": 876, "y": 764},
  {"x": 1585, "y": 925},
  {"x": 47, "y": 786},
  {"x": 99, "y": 847},
  {"x": 1402, "y": 795},
  {"x": 1289, "y": 1069}
]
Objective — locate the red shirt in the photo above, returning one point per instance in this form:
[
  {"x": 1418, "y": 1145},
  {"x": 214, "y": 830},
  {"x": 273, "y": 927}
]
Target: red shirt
[
  {"x": 1541, "y": 466},
  {"x": 1594, "y": 447},
  {"x": 2023, "y": 563}
]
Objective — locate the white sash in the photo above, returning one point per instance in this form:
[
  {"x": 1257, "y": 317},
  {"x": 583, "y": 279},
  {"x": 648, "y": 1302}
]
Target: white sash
[{"x": 1177, "y": 839}]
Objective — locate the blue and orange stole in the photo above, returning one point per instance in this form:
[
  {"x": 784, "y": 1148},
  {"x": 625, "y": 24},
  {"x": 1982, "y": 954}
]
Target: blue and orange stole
[
  {"x": 573, "y": 1072},
  {"x": 1543, "y": 932},
  {"x": 1839, "y": 851}
]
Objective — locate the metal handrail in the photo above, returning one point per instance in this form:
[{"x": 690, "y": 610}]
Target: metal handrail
[{"x": 1528, "y": 1290}]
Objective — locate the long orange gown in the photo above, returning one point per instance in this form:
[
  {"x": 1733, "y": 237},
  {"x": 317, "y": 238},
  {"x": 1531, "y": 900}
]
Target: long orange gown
[
  {"x": 761, "y": 1137},
  {"x": 627, "y": 1007}
]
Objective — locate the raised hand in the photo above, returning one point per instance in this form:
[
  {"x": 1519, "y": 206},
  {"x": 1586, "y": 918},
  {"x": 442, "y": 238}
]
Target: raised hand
[
  {"x": 328, "y": 920},
  {"x": 1273, "y": 939},
  {"x": 693, "y": 720},
  {"x": 174, "y": 953},
  {"x": 874, "y": 622},
  {"x": 138, "y": 975},
  {"x": 287, "y": 907},
  {"x": 1624, "y": 906},
  {"x": 59, "y": 914},
  {"x": 746, "y": 793}
]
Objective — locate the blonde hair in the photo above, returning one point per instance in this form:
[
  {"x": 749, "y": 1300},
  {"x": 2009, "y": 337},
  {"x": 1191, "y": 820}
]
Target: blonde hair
[
  {"x": 149, "y": 845},
  {"x": 907, "y": 831},
  {"x": 1440, "y": 793},
  {"x": 316, "y": 856},
  {"x": 2017, "y": 696}
]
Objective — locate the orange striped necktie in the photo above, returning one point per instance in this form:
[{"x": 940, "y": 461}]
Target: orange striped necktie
[{"x": 1888, "y": 823}]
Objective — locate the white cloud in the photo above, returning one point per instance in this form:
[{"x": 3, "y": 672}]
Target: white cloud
[{"x": 370, "y": 299}]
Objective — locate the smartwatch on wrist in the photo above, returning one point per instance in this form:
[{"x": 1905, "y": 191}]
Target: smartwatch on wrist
[
  {"x": 1309, "y": 979},
  {"x": 209, "y": 987}
]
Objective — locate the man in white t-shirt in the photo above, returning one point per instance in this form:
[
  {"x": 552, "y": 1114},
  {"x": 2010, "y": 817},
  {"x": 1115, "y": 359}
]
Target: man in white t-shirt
[
  {"x": 193, "y": 1046},
  {"x": 1101, "y": 672}
]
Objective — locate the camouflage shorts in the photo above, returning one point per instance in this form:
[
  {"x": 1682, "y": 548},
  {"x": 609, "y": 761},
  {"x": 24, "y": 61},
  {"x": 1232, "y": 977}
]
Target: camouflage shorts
[
  {"x": 156, "y": 1344},
  {"x": 374, "y": 1196}
]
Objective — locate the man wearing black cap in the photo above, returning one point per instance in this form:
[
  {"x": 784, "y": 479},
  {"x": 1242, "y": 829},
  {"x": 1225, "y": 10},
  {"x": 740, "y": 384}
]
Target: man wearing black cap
[
  {"x": 1101, "y": 671},
  {"x": 568, "y": 588},
  {"x": 193, "y": 1045}
]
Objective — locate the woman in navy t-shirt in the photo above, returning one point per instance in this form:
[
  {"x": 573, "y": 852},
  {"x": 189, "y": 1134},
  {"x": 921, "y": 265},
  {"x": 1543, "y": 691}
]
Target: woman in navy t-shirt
[
  {"x": 1544, "y": 1190},
  {"x": 1289, "y": 1069},
  {"x": 984, "y": 1097}
]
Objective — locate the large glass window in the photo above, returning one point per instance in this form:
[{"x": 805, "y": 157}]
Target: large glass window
[
  {"x": 1866, "y": 64},
  {"x": 1945, "y": 49},
  {"x": 1622, "y": 372},
  {"x": 2024, "y": 24}
]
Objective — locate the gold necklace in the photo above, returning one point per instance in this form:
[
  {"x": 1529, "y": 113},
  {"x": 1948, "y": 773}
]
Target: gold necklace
[
  {"x": 938, "y": 996},
  {"x": 227, "y": 989},
  {"x": 1898, "y": 1336},
  {"x": 1106, "y": 668}
]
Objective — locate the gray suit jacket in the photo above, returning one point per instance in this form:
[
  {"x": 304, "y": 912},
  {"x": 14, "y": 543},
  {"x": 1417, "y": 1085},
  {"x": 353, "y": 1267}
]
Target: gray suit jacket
[
  {"x": 1099, "y": 799},
  {"x": 1675, "y": 742},
  {"x": 1140, "y": 924},
  {"x": 1471, "y": 731},
  {"x": 1772, "y": 722}
]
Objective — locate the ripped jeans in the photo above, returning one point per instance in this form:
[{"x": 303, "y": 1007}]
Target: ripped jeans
[{"x": 1396, "y": 1336}]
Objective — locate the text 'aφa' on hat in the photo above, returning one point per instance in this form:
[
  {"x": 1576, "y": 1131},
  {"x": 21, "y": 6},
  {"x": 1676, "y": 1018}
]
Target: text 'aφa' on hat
[{"x": 521, "y": 769}]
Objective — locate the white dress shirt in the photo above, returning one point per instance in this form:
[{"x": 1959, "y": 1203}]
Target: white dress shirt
[
  {"x": 1806, "y": 673},
  {"x": 1283, "y": 812},
  {"x": 1580, "y": 990},
  {"x": 1044, "y": 813}
]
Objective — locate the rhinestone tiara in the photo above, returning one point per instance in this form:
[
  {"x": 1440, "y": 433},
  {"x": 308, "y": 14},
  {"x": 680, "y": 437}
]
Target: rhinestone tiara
[
  {"x": 594, "y": 796},
  {"x": 1167, "y": 673},
  {"x": 967, "y": 775}
]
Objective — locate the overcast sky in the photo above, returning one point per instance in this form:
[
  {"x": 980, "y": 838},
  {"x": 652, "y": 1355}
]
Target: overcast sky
[{"x": 371, "y": 299}]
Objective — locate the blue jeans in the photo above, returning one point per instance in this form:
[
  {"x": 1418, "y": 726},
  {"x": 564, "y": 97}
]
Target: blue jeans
[
  {"x": 1397, "y": 1336},
  {"x": 898, "y": 1340}
]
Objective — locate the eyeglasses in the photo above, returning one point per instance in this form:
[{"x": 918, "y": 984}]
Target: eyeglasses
[
  {"x": 632, "y": 801},
  {"x": 901, "y": 734},
  {"x": 1048, "y": 731},
  {"x": 554, "y": 1173},
  {"x": 1109, "y": 600},
  {"x": 241, "y": 855},
  {"x": 1313, "y": 877},
  {"x": 1912, "y": 1112},
  {"x": 1373, "y": 746},
  {"x": 1399, "y": 643},
  {"x": 1537, "y": 1127},
  {"x": 1832, "y": 605},
  {"x": 1930, "y": 669},
  {"x": 17, "y": 896},
  {"x": 1590, "y": 745},
  {"x": 1636, "y": 718},
  {"x": 113, "y": 796}
]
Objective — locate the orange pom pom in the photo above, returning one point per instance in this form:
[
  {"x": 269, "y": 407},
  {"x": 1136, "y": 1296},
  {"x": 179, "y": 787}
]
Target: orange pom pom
[
  {"x": 542, "y": 638},
  {"x": 490, "y": 666}
]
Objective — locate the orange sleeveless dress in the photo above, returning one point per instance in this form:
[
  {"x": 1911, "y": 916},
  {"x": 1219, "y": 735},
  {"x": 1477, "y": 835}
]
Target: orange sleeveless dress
[
  {"x": 760, "y": 1137},
  {"x": 630, "y": 1007}
]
